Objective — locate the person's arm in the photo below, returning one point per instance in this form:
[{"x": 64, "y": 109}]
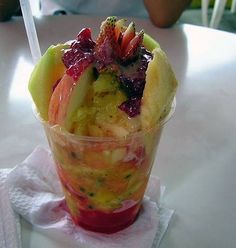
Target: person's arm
[
  {"x": 8, "y": 8},
  {"x": 164, "y": 13}
]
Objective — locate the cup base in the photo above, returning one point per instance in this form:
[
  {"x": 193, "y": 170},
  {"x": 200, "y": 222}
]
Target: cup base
[{"x": 98, "y": 221}]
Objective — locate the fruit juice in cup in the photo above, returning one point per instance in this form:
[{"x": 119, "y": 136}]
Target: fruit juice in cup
[{"x": 104, "y": 178}]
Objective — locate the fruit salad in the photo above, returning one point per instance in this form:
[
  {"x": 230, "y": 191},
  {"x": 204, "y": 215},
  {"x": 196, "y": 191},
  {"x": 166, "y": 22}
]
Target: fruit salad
[{"x": 103, "y": 103}]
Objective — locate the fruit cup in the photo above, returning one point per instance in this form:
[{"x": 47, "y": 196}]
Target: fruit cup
[
  {"x": 104, "y": 178},
  {"x": 103, "y": 105}
]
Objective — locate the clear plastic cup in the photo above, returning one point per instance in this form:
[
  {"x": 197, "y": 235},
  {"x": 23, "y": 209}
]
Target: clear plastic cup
[{"x": 104, "y": 178}]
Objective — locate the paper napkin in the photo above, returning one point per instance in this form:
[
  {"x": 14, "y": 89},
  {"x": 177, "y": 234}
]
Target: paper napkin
[{"x": 36, "y": 195}]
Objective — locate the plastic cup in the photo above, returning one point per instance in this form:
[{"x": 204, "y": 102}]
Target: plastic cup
[{"x": 104, "y": 178}]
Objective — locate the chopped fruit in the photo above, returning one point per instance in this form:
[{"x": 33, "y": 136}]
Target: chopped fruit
[
  {"x": 105, "y": 44},
  {"x": 149, "y": 43},
  {"x": 116, "y": 45},
  {"x": 79, "y": 66},
  {"x": 106, "y": 83},
  {"x": 128, "y": 35},
  {"x": 119, "y": 58},
  {"x": 107, "y": 30},
  {"x": 80, "y": 54},
  {"x": 103, "y": 100},
  {"x": 79, "y": 49},
  {"x": 132, "y": 78},
  {"x": 132, "y": 49},
  {"x": 119, "y": 29},
  {"x": 85, "y": 41},
  {"x": 107, "y": 98},
  {"x": 131, "y": 106},
  {"x": 45, "y": 77},
  {"x": 159, "y": 89},
  {"x": 117, "y": 155},
  {"x": 68, "y": 96}
]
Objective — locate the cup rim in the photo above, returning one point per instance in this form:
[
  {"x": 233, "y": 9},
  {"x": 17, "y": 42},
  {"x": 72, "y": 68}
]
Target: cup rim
[{"x": 58, "y": 129}]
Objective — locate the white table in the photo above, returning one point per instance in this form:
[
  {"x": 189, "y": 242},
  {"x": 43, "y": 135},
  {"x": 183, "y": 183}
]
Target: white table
[{"x": 197, "y": 154}]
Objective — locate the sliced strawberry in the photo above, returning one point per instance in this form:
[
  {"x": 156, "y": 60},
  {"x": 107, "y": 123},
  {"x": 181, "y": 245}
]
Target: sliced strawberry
[
  {"x": 133, "y": 47},
  {"x": 119, "y": 29},
  {"x": 107, "y": 30},
  {"x": 128, "y": 35},
  {"x": 104, "y": 51}
]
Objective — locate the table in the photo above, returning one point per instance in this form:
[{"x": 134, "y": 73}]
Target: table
[{"x": 197, "y": 154}]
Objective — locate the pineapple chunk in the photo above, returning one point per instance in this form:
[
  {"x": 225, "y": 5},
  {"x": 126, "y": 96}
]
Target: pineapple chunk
[{"x": 105, "y": 83}]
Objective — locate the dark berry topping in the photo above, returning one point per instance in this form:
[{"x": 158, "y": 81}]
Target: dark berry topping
[
  {"x": 131, "y": 107},
  {"x": 104, "y": 55},
  {"x": 79, "y": 54},
  {"x": 133, "y": 76},
  {"x": 132, "y": 81},
  {"x": 79, "y": 66},
  {"x": 85, "y": 40},
  {"x": 132, "y": 86}
]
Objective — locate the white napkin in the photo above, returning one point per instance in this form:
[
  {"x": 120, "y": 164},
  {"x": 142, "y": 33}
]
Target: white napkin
[
  {"x": 10, "y": 236},
  {"x": 36, "y": 195}
]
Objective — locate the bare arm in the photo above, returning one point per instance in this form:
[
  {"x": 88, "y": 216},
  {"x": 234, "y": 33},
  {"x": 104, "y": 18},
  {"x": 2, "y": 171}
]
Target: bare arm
[
  {"x": 8, "y": 8},
  {"x": 165, "y": 13}
]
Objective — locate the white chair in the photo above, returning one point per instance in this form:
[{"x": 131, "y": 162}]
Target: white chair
[
  {"x": 218, "y": 11},
  {"x": 205, "y": 4},
  {"x": 233, "y": 6}
]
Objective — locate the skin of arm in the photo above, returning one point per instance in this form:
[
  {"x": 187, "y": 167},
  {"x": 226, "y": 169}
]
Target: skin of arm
[
  {"x": 8, "y": 8},
  {"x": 164, "y": 13}
]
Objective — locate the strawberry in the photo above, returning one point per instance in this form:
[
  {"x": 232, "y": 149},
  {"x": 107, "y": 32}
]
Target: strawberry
[
  {"x": 117, "y": 47},
  {"x": 127, "y": 41},
  {"x": 105, "y": 44},
  {"x": 119, "y": 29},
  {"x": 116, "y": 43},
  {"x": 107, "y": 31},
  {"x": 128, "y": 35},
  {"x": 133, "y": 47}
]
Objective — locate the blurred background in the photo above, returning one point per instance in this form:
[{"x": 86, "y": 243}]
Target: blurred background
[{"x": 193, "y": 15}]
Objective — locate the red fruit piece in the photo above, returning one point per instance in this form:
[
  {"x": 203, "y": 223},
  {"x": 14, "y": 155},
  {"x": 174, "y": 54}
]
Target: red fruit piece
[
  {"x": 131, "y": 107},
  {"x": 84, "y": 34},
  {"x": 79, "y": 66},
  {"x": 69, "y": 95},
  {"x": 104, "y": 51},
  {"x": 133, "y": 47},
  {"x": 85, "y": 40},
  {"x": 119, "y": 29},
  {"x": 128, "y": 35},
  {"x": 107, "y": 31},
  {"x": 79, "y": 48}
]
